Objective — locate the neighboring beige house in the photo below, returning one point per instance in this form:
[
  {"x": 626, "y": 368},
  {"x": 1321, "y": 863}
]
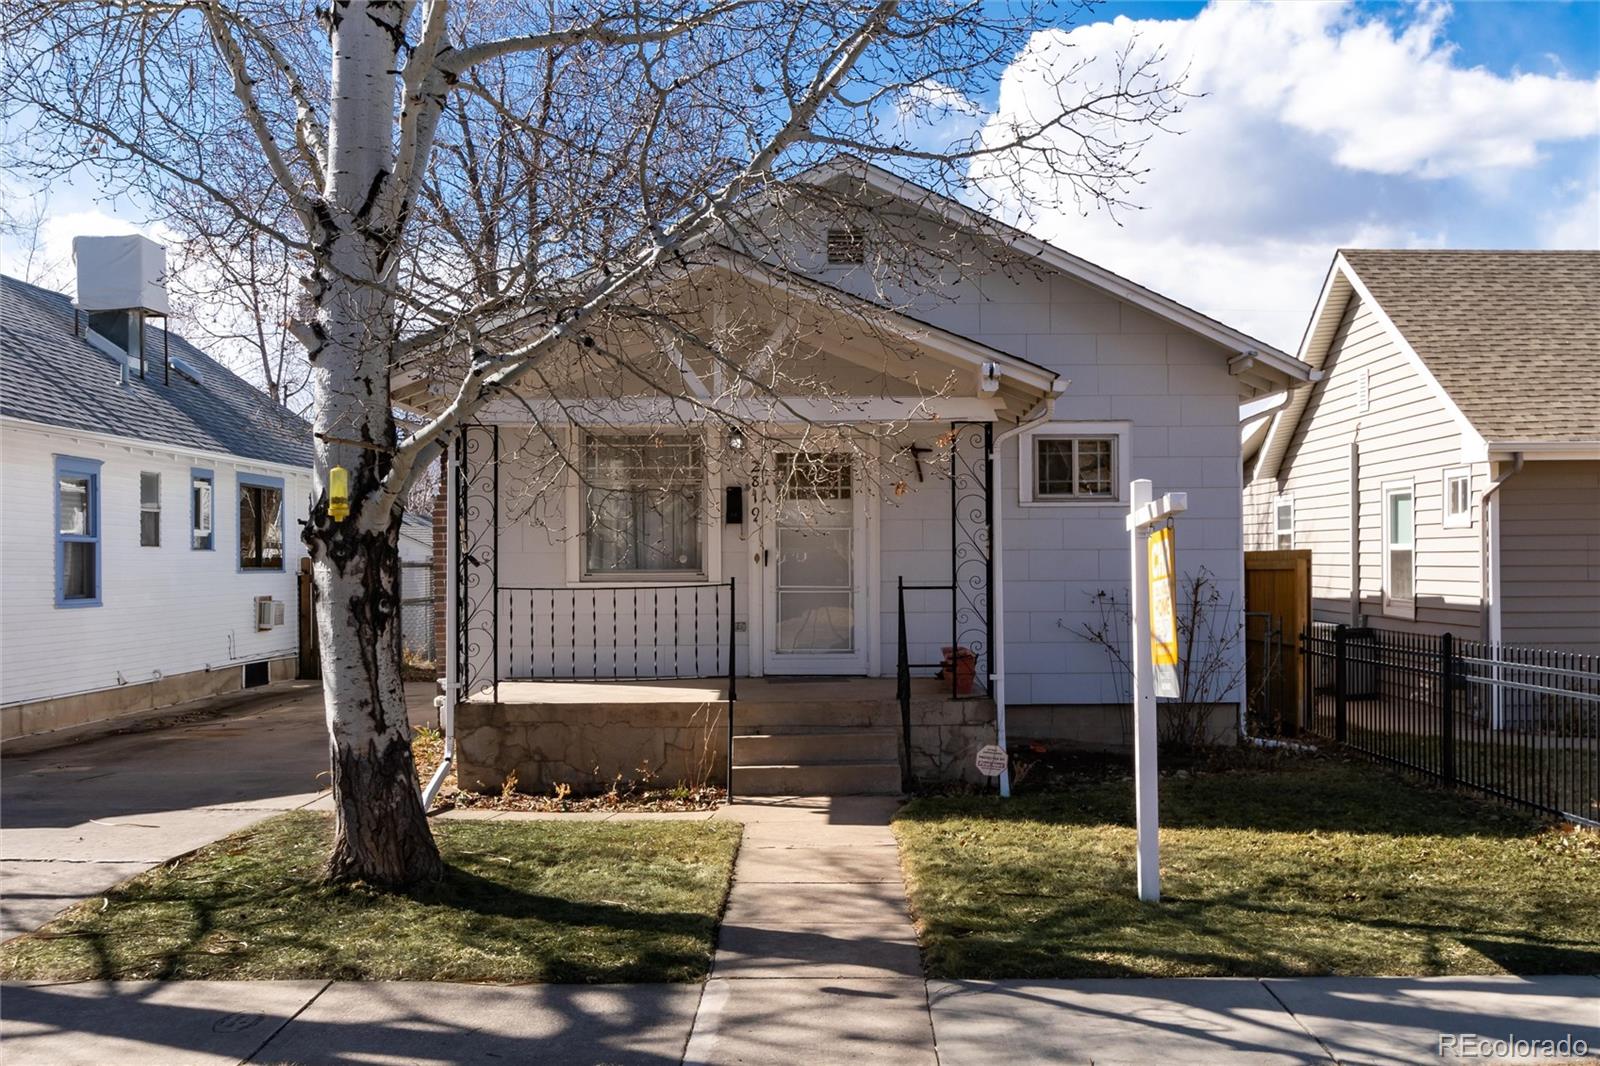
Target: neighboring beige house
[{"x": 1445, "y": 472}]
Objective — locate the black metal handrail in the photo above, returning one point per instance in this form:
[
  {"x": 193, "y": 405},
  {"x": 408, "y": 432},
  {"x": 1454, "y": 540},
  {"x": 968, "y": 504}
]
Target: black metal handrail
[
  {"x": 672, "y": 630},
  {"x": 904, "y": 666}
]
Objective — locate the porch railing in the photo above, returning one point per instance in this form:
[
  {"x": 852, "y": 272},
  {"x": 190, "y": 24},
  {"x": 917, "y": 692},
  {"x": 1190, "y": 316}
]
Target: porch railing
[
  {"x": 620, "y": 633},
  {"x": 904, "y": 664}
]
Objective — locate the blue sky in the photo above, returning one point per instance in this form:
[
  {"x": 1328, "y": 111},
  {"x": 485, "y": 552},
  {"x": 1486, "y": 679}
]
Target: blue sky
[
  {"x": 1322, "y": 125},
  {"x": 1325, "y": 125}
]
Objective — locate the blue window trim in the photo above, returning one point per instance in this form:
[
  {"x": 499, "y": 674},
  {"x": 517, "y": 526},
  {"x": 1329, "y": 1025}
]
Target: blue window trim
[
  {"x": 196, "y": 472},
  {"x": 265, "y": 482},
  {"x": 73, "y": 466}
]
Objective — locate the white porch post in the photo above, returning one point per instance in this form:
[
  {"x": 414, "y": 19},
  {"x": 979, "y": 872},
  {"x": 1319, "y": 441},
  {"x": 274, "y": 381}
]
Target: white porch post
[{"x": 447, "y": 708}]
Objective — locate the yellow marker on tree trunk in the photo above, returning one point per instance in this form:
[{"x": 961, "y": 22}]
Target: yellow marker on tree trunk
[{"x": 339, "y": 493}]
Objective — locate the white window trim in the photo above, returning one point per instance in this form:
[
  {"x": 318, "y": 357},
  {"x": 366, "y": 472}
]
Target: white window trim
[
  {"x": 1446, "y": 519},
  {"x": 710, "y": 516},
  {"x": 1397, "y": 608},
  {"x": 1277, "y": 502},
  {"x": 1119, "y": 431}
]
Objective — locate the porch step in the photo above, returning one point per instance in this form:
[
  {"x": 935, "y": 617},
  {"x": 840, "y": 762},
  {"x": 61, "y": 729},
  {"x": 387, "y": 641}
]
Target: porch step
[
  {"x": 818, "y": 747},
  {"x": 867, "y": 778},
  {"x": 799, "y": 716}
]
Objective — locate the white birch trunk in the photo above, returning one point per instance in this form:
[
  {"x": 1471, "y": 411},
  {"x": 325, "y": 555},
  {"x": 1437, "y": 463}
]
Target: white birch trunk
[{"x": 381, "y": 830}]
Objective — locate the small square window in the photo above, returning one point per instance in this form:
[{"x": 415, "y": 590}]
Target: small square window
[
  {"x": 1071, "y": 463},
  {"x": 847, "y": 246},
  {"x": 260, "y": 527},
  {"x": 1073, "y": 468},
  {"x": 149, "y": 510},
  {"x": 1457, "y": 495}
]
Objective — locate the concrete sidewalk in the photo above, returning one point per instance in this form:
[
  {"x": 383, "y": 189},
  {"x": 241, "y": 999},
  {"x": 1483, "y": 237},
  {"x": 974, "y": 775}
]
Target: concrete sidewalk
[
  {"x": 75, "y": 820},
  {"x": 1383, "y": 1021}
]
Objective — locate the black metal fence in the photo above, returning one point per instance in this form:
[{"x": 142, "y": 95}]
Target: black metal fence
[{"x": 1521, "y": 724}]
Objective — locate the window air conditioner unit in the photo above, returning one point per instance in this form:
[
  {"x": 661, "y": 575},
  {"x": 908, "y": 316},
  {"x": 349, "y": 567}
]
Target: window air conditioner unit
[{"x": 269, "y": 613}]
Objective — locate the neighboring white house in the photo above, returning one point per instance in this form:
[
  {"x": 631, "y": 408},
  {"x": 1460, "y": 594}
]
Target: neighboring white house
[
  {"x": 1070, "y": 380},
  {"x": 150, "y": 505},
  {"x": 1445, "y": 472}
]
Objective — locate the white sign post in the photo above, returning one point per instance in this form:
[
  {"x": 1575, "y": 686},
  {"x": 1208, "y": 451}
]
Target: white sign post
[{"x": 1144, "y": 512}]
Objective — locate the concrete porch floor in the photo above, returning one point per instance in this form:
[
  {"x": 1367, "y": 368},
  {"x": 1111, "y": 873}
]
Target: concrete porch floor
[{"x": 761, "y": 690}]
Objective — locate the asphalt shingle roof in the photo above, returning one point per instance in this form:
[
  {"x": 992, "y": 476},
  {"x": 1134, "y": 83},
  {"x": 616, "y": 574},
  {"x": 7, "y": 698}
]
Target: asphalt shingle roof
[
  {"x": 1513, "y": 337},
  {"x": 49, "y": 374}
]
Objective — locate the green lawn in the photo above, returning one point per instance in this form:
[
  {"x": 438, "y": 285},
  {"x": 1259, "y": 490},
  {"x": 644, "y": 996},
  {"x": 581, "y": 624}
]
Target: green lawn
[
  {"x": 520, "y": 901},
  {"x": 1322, "y": 867}
]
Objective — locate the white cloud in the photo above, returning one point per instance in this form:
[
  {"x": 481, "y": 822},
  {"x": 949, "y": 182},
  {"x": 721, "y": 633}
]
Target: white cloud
[{"x": 1319, "y": 127}]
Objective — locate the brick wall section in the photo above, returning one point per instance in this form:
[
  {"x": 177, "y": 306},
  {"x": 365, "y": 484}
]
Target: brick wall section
[{"x": 440, "y": 534}]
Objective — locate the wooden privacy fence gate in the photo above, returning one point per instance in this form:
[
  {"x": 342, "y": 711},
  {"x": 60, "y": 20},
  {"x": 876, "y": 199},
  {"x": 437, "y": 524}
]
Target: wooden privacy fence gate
[{"x": 1277, "y": 604}]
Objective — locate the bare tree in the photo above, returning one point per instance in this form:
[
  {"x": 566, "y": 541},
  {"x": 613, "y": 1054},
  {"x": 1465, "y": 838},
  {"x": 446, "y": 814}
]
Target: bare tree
[{"x": 519, "y": 198}]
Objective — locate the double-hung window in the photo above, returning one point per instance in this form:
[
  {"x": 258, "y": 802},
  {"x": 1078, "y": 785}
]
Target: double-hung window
[
  {"x": 260, "y": 522},
  {"x": 1399, "y": 550},
  {"x": 642, "y": 505},
  {"x": 149, "y": 510},
  {"x": 202, "y": 509},
  {"x": 1066, "y": 462},
  {"x": 77, "y": 532},
  {"x": 1283, "y": 522}
]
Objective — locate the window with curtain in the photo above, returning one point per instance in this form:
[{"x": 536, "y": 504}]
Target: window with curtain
[
  {"x": 260, "y": 527},
  {"x": 77, "y": 532},
  {"x": 200, "y": 511},
  {"x": 1074, "y": 468},
  {"x": 149, "y": 510},
  {"x": 642, "y": 500}
]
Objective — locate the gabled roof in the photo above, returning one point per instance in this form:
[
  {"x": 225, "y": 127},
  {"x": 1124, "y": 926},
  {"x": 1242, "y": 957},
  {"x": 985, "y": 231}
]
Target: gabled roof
[
  {"x": 1056, "y": 258},
  {"x": 50, "y": 374},
  {"x": 1508, "y": 341},
  {"x": 1512, "y": 337}
]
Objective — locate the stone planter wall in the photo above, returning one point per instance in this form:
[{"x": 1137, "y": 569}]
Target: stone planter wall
[{"x": 586, "y": 745}]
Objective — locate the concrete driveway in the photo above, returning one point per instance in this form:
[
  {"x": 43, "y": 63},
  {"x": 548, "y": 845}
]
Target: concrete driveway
[{"x": 76, "y": 820}]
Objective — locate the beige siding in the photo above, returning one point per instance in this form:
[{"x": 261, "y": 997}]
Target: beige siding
[
  {"x": 1406, "y": 435},
  {"x": 1550, "y": 552}
]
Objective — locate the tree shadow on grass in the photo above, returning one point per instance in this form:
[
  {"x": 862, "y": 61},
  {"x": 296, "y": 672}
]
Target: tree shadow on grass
[{"x": 253, "y": 906}]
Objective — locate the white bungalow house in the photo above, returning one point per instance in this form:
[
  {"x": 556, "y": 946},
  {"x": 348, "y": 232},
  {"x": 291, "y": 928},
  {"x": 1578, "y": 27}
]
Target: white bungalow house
[
  {"x": 955, "y": 476},
  {"x": 1445, "y": 471},
  {"x": 150, "y": 503}
]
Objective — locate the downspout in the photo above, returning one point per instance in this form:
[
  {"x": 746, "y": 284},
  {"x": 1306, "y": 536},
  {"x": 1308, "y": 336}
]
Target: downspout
[
  {"x": 1355, "y": 526},
  {"x": 447, "y": 706},
  {"x": 997, "y": 674},
  {"x": 1491, "y": 524}
]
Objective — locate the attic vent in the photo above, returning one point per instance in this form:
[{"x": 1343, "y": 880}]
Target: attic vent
[
  {"x": 846, "y": 245},
  {"x": 187, "y": 369},
  {"x": 1363, "y": 391}
]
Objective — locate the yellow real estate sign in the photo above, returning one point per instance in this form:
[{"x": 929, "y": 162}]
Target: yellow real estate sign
[{"x": 1163, "y": 613}]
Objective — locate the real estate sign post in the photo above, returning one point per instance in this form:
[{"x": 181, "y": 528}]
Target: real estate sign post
[{"x": 1144, "y": 512}]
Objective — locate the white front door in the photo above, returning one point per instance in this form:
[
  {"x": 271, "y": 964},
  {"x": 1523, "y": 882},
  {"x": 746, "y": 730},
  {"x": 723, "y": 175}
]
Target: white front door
[{"x": 815, "y": 572}]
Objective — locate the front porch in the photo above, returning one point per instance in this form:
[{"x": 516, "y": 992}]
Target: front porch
[{"x": 784, "y": 736}]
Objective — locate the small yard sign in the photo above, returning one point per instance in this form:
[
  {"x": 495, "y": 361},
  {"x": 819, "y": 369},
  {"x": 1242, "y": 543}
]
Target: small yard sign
[
  {"x": 991, "y": 760},
  {"x": 1163, "y": 613}
]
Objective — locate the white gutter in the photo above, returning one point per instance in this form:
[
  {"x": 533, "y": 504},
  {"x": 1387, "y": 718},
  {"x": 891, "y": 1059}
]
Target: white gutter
[
  {"x": 447, "y": 707},
  {"x": 997, "y": 665}
]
